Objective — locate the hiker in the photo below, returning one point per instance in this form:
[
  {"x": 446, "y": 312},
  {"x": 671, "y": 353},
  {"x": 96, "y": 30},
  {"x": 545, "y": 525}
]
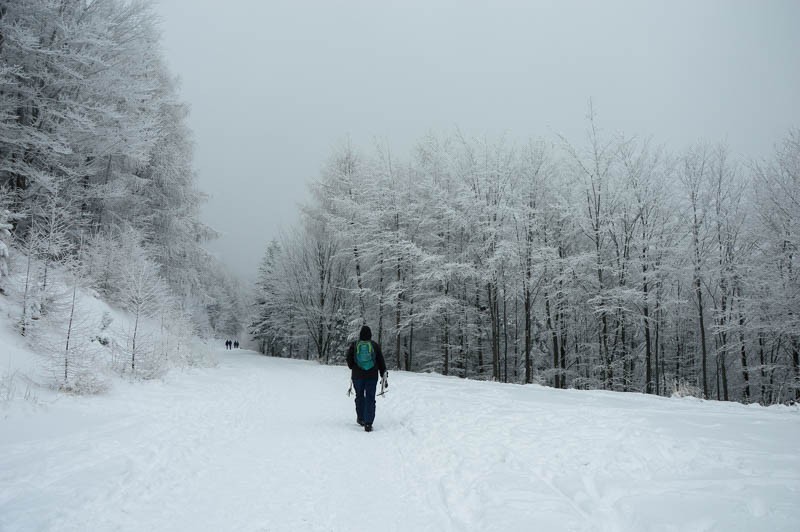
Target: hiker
[
  {"x": 236, "y": 344},
  {"x": 227, "y": 344},
  {"x": 365, "y": 359}
]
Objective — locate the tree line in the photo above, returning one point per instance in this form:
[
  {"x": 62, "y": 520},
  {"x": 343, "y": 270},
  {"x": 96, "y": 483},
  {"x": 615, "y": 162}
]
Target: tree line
[
  {"x": 610, "y": 264},
  {"x": 97, "y": 189}
]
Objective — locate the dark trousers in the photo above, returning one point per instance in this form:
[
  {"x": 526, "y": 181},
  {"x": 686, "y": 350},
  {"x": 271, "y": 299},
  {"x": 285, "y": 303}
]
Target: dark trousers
[{"x": 365, "y": 399}]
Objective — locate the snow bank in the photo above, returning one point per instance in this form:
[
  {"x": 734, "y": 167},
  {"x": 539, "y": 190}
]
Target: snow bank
[{"x": 99, "y": 346}]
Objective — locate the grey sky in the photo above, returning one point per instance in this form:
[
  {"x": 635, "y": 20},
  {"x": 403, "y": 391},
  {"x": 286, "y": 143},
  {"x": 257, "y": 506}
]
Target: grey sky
[{"x": 273, "y": 85}]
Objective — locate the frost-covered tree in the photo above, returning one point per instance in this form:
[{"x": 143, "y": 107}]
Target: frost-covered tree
[
  {"x": 269, "y": 316},
  {"x": 607, "y": 264},
  {"x": 143, "y": 294},
  {"x": 94, "y": 140},
  {"x": 777, "y": 322},
  {"x": 594, "y": 170}
]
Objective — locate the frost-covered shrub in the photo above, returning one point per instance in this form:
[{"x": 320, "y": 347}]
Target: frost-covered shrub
[
  {"x": 5, "y": 238},
  {"x": 105, "y": 341},
  {"x": 70, "y": 360},
  {"x": 86, "y": 383},
  {"x": 11, "y": 389},
  {"x": 106, "y": 321},
  {"x": 134, "y": 353},
  {"x": 8, "y": 386},
  {"x": 3, "y": 263},
  {"x": 684, "y": 389}
]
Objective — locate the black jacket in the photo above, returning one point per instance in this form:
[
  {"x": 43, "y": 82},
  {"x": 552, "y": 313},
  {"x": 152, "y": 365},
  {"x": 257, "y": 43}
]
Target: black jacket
[{"x": 380, "y": 363}]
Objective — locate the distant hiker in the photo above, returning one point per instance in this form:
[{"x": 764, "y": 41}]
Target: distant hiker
[
  {"x": 365, "y": 359},
  {"x": 236, "y": 344},
  {"x": 227, "y": 344}
]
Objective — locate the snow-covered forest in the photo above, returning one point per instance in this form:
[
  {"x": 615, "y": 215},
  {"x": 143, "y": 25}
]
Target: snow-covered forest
[
  {"x": 608, "y": 263},
  {"x": 98, "y": 194},
  {"x": 517, "y": 287},
  {"x": 605, "y": 263}
]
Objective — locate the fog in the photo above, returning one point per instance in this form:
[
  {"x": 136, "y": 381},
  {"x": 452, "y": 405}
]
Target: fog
[{"x": 274, "y": 85}]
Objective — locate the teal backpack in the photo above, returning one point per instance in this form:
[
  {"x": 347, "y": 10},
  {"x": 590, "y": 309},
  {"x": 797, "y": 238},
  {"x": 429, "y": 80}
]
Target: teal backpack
[{"x": 365, "y": 358}]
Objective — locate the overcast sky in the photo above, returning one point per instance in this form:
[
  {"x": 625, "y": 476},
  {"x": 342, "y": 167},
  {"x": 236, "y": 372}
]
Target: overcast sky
[{"x": 273, "y": 85}]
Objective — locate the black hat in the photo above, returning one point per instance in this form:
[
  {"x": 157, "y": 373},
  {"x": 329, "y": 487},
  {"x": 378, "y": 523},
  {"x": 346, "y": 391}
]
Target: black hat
[{"x": 365, "y": 334}]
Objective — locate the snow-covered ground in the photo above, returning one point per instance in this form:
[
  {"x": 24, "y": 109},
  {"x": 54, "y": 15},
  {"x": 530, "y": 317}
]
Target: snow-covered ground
[{"x": 264, "y": 444}]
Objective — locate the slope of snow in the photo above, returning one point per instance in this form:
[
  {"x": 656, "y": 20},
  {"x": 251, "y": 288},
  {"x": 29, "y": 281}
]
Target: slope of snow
[{"x": 263, "y": 444}]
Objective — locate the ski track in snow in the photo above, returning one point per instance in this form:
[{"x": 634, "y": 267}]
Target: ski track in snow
[{"x": 263, "y": 444}]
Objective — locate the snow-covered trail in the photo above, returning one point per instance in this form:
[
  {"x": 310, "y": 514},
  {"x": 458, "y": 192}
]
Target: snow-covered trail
[
  {"x": 263, "y": 444},
  {"x": 255, "y": 444}
]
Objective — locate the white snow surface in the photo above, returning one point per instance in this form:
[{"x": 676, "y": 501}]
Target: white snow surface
[{"x": 267, "y": 444}]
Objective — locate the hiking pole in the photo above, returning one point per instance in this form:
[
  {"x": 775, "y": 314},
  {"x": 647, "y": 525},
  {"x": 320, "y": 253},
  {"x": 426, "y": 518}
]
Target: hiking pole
[
  {"x": 350, "y": 390},
  {"x": 384, "y": 383}
]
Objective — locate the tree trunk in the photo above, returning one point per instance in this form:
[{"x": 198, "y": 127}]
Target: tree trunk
[
  {"x": 398, "y": 353},
  {"x": 516, "y": 362},
  {"x": 678, "y": 355},
  {"x": 648, "y": 376},
  {"x": 69, "y": 333},
  {"x": 562, "y": 346},
  {"x": 380, "y": 301},
  {"x": 479, "y": 329},
  {"x": 133, "y": 343},
  {"x": 627, "y": 363},
  {"x": 554, "y": 338},
  {"x": 743, "y": 354},
  {"x": 796, "y": 367},
  {"x": 762, "y": 360},
  {"x": 361, "y": 305},
  {"x": 25, "y": 296},
  {"x": 698, "y": 289},
  {"x": 464, "y": 334},
  {"x": 659, "y": 350},
  {"x": 446, "y": 346},
  {"x": 723, "y": 338},
  {"x": 491, "y": 292},
  {"x": 411, "y": 319},
  {"x": 702, "y": 325},
  {"x": 528, "y": 346},
  {"x": 505, "y": 336}
]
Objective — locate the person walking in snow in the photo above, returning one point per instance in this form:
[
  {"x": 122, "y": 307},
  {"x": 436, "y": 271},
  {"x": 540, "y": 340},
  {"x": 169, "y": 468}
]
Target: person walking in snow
[{"x": 365, "y": 359}]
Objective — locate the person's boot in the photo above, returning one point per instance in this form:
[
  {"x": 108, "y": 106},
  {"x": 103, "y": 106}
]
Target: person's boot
[{"x": 368, "y": 428}]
